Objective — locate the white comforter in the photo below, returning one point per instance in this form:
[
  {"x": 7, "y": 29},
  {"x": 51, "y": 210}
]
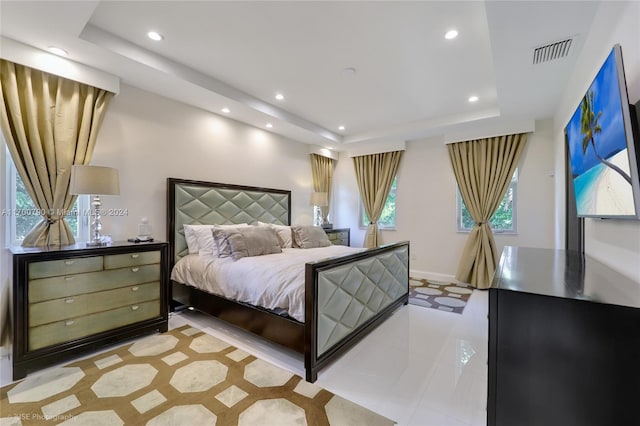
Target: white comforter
[{"x": 274, "y": 281}]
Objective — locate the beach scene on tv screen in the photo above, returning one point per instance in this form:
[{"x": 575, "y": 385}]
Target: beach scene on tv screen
[{"x": 598, "y": 149}]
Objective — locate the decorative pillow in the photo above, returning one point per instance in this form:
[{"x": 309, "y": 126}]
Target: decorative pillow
[
  {"x": 204, "y": 243},
  {"x": 285, "y": 236},
  {"x": 310, "y": 236},
  {"x": 246, "y": 241},
  {"x": 191, "y": 238}
]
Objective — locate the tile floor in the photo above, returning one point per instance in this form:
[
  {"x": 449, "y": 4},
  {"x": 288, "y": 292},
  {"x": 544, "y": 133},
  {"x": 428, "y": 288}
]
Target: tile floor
[{"x": 420, "y": 367}]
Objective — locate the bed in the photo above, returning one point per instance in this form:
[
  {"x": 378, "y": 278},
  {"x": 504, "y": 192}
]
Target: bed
[{"x": 345, "y": 297}]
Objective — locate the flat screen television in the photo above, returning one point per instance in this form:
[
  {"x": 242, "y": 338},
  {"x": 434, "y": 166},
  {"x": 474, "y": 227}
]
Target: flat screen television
[{"x": 604, "y": 146}]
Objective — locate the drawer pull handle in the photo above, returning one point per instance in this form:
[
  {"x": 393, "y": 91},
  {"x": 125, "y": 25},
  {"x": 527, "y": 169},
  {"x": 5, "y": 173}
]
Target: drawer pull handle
[
  {"x": 135, "y": 269},
  {"x": 68, "y": 300},
  {"x": 68, "y": 323},
  {"x": 135, "y": 288},
  {"x": 68, "y": 262},
  {"x": 135, "y": 256},
  {"x": 135, "y": 307},
  {"x": 68, "y": 278}
]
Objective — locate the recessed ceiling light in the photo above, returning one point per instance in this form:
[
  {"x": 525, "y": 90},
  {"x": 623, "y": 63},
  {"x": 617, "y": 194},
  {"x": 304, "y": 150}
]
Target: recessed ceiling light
[
  {"x": 451, "y": 34},
  {"x": 341, "y": 128},
  {"x": 473, "y": 99},
  {"x": 269, "y": 125},
  {"x": 279, "y": 96},
  {"x": 155, "y": 36},
  {"x": 226, "y": 110},
  {"x": 57, "y": 51}
]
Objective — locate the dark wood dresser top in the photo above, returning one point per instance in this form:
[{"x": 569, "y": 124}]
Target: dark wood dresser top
[{"x": 565, "y": 274}]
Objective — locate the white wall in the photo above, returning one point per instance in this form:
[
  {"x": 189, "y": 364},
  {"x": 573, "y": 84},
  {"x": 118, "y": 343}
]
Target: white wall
[
  {"x": 426, "y": 203},
  {"x": 149, "y": 138},
  {"x": 613, "y": 242}
]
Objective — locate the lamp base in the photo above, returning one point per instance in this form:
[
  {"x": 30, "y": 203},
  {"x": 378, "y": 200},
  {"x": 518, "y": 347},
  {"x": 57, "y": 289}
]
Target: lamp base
[
  {"x": 97, "y": 244},
  {"x": 327, "y": 226}
]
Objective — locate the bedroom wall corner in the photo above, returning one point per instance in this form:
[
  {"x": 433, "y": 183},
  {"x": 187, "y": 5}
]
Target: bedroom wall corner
[
  {"x": 346, "y": 199},
  {"x": 149, "y": 138}
]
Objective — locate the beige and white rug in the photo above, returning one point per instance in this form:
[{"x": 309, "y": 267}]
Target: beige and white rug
[
  {"x": 183, "y": 377},
  {"x": 444, "y": 296}
]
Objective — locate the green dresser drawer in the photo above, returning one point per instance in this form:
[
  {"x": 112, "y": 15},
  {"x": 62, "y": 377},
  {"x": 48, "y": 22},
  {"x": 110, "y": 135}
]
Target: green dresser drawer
[
  {"x": 54, "y": 268},
  {"x": 131, "y": 259},
  {"x": 63, "y": 331},
  {"x": 85, "y": 304},
  {"x": 338, "y": 237},
  {"x": 70, "y": 285}
]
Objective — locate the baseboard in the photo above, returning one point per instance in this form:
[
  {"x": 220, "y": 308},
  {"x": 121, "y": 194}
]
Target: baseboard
[{"x": 435, "y": 276}]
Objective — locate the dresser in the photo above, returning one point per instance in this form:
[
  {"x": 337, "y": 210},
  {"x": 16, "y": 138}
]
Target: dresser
[
  {"x": 564, "y": 339},
  {"x": 71, "y": 299},
  {"x": 339, "y": 237}
]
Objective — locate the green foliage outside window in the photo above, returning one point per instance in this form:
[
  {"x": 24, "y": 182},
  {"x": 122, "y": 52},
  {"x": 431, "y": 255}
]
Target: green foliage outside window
[
  {"x": 388, "y": 216},
  {"x": 27, "y": 214},
  {"x": 502, "y": 219}
]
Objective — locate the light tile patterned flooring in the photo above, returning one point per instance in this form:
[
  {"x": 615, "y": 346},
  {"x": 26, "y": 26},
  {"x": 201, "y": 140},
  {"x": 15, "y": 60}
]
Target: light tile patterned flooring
[{"x": 421, "y": 367}]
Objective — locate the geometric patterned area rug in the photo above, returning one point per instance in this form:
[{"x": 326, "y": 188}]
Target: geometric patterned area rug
[
  {"x": 182, "y": 377},
  {"x": 449, "y": 297}
]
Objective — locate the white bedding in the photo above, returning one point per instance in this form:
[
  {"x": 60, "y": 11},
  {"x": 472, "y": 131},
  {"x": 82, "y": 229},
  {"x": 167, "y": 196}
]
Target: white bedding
[{"x": 273, "y": 281}]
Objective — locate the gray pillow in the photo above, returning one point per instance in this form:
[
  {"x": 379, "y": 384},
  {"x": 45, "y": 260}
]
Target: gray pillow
[
  {"x": 285, "y": 236},
  {"x": 246, "y": 242},
  {"x": 310, "y": 236}
]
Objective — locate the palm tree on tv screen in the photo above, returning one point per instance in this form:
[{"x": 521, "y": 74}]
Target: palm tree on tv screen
[{"x": 590, "y": 127}]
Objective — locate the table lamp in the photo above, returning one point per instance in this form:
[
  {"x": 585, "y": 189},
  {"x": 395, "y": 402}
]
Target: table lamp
[
  {"x": 318, "y": 199},
  {"x": 95, "y": 181}
]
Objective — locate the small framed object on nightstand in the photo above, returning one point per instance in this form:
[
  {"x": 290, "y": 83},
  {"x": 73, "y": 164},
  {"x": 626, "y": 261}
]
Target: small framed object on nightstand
[{"x": 339, "y": 236}]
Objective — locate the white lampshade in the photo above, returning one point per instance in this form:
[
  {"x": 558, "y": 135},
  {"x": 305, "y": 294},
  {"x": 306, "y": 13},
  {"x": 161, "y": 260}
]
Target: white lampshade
[
  {"x": 94, "y": 180},
  {"x": 319, "y": 199}
]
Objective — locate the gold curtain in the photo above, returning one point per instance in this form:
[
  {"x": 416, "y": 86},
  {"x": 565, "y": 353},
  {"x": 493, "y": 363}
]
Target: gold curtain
[
  {"x": 375, "y": 174},
  {"x": 322, "y": 171},
  {"x": 483, "y": 170},
  {"x": 49, "y": 123}
]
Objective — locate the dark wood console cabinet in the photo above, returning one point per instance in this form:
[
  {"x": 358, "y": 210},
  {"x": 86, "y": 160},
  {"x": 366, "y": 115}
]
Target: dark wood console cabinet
[
  {"x": 71, "y": 299},
  {"x": 564, "y": 342}
]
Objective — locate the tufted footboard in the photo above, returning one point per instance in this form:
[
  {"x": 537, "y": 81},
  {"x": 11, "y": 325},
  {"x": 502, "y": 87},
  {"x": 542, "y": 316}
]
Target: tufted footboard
[{"x": 347, "y": 297}]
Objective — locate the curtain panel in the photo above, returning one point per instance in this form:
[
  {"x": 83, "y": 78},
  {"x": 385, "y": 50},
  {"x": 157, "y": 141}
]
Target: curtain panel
[
  {"x": 375, "y": 174},
  {"x": 49, "y": 123},
  {"x": 322, "y": 171},
  {"x": 483, "y": 170}
]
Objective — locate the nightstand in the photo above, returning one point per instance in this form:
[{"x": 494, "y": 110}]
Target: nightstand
[
  {"x": 339, "y": 237},
  {"x": 71, "y": 299}
]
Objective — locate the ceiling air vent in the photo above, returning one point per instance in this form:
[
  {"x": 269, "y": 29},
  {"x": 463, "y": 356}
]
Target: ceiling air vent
[{"x": 551, "y": 51}]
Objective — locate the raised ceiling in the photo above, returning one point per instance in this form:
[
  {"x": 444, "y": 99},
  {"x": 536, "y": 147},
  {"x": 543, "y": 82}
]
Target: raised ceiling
[{"x": 409, "y": 81}]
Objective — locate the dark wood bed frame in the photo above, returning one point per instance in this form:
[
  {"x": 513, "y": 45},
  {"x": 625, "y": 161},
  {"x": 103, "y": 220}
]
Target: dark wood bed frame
[{"x": 284, "y": 330}]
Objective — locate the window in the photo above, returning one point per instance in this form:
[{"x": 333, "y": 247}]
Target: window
[
  {"x": 503, "y": 220},
  {"x": 22, "y": 215},
  {"x": 388, "y": 216}
]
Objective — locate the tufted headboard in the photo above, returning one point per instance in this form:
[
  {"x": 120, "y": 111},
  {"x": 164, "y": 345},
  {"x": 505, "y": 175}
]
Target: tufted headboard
[{"x": 207, "y": 203}]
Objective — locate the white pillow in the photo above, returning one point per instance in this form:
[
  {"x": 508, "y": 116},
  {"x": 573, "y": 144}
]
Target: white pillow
[
  {"x": 285, "y": 237},
  {"x": 191, "y": 237},
  {"x": 201, "y": 237}
]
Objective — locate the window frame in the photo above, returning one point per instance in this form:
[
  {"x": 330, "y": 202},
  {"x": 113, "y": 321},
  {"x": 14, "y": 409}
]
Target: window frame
[
  {"x": 513, "y": 184},
  {"x": 11, "y": 179},
  {"x": 361, "y": 211}
]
